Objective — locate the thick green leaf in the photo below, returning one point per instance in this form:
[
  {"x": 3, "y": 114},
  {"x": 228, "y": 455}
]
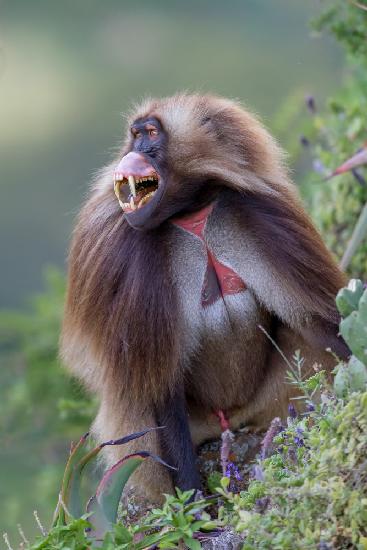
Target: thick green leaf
[
  {"x": 354, "y": 332},
  {"x": 76, "y": 453},
  {"x": 112, "y": 484},
  {"x": 193, "y": 544},
  {"x": 347, "y": 298},
  {"x": 98, "y": 520},
  {"x": 357, "y": 375},
  {"x": 105, "y": 503},
  {"x": 73, "y": 500}
]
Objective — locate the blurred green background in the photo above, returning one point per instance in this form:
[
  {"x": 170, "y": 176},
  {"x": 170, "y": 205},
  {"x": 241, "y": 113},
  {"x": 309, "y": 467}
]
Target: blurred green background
[{"x": 67, "y": 72}]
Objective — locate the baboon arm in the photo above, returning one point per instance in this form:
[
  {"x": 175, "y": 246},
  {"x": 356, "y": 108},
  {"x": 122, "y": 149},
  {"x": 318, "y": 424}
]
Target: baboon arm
[{"x": 290, "y": 270}]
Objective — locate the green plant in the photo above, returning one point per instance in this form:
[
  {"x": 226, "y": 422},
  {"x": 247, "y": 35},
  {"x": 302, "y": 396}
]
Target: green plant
[
  {"x": 180, "y": 520},
  {"x": 352, "y": 304},
  {"x": 102, "y": 507},
  {"x": 354, "y": 326},
  {"x": 338, "y": 132},
  {"x": 41, "y": 407},
  {"x": 312, "y": 492}
]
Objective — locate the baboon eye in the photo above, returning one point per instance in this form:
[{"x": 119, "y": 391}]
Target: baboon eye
[
  {"x": 135, "y": 132},
  {"x": 152, "y": 130}
]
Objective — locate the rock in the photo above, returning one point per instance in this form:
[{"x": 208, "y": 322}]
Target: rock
[
  {"x": 245, "y": 447},
  {"x": 227, "y": 540}
]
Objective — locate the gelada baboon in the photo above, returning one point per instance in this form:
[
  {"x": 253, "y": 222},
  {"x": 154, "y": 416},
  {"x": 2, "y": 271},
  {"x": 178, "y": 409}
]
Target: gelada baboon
[{"x": 169, "y": 284}]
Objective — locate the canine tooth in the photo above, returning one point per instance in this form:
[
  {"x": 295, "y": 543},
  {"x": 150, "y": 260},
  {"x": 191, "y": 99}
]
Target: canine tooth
[
  {"x": 116, "y": 188},
  {"x": 131, "y": 180},
  {"x": 132, "y": 204}
]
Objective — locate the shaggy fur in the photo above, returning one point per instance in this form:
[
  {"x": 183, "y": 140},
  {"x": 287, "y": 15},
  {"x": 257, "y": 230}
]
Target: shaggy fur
[{"x": 134, "y": 330}]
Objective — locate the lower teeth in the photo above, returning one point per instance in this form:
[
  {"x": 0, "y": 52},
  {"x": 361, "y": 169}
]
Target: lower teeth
[{"x": 145, "y": 199}]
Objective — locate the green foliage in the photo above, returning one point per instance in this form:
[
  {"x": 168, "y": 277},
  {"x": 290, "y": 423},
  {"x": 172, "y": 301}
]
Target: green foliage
[
  {"x": 41, "y": 407},
  {"x": 347, "y": 21},
  {"x": 337, "y": 134},
  {"x": 313, "y": 492},
  {"x": 65, "y": 537},
  {"x": 30, "y": 340},
  {"x": 102, "y": 507},
  {"x": 178, "y": 521}
]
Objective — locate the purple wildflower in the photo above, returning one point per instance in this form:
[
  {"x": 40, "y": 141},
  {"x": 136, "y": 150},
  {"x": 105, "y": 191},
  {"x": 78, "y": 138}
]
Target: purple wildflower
[
  {"x": 258, "y": 473},
  {"x": 274, "y": 428},
  {"x": 292, "y": 411},
  {"x": 310, "y": 407},
  {"x": 233, "y": 470},
  {"x": 298, "y": 439}
]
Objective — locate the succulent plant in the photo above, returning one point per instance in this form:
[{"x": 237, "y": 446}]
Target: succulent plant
[
  {"x": 348, "y": 298},
  {"x": 352, "y": 304},
  {"x": 101, "y": 507}
]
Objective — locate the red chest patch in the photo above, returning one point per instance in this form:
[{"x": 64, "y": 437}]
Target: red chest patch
[{"x": 220, "y": 280}]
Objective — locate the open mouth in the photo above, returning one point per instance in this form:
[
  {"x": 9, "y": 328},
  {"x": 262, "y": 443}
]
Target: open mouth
[{"x": 138, "y": 190}]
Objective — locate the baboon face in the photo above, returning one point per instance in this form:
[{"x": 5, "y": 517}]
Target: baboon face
[{"x": 178, "y": 153}]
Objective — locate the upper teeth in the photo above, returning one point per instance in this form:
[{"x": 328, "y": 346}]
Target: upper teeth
[
  {"x": 120, "y": 177},
  {"x": 146, "y": 178}
]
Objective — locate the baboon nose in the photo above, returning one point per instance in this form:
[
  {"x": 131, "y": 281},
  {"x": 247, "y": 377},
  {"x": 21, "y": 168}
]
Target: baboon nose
[{"x": 134, "y": 164}]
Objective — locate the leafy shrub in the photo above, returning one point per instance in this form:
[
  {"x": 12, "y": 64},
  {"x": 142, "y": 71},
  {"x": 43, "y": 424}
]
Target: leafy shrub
[
  {"x": 41, "y": 407},
  {"x": 337, "y": 134}
]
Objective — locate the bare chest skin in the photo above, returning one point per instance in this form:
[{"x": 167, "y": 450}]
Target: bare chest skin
[{"x": 221, "y": 339}]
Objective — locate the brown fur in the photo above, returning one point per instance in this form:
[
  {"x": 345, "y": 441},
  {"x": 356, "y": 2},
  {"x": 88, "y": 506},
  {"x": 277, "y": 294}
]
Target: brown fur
[{"x": 123, "y": 320}]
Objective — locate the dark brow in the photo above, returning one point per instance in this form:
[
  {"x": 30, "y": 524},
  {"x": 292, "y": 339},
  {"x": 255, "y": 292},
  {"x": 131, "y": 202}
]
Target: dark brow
[{"x": 141, "y": 122}]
